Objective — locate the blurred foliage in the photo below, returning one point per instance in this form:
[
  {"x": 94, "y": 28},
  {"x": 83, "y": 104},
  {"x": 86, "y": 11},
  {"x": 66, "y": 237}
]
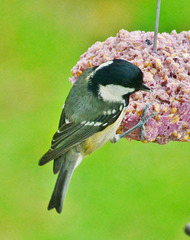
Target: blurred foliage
[{"x": 123, "y": 191}]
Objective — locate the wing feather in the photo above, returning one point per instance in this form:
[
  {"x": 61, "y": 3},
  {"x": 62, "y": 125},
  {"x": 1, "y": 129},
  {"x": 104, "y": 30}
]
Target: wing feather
[{"x": 72, "y": 134}]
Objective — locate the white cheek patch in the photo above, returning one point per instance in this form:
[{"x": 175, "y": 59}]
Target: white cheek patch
[{"x": 114, "y": 93}]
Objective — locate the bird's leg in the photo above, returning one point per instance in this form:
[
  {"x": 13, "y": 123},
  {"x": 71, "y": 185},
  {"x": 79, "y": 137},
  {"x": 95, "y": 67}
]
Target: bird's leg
[{"x": 140, "y": 125}]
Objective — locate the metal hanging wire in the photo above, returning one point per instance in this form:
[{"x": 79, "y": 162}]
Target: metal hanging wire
[{"x": 156, "y": 24}]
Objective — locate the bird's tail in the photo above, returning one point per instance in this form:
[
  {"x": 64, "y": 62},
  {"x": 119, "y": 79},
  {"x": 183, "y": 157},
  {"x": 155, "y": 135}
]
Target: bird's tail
[
  {"x": 70, "y": 162},
  {"x": 60, "y": 189}
]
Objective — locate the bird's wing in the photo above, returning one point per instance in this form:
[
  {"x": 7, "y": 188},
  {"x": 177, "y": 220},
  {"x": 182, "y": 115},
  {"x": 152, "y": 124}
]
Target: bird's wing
[{"x": 72, "y": 134}]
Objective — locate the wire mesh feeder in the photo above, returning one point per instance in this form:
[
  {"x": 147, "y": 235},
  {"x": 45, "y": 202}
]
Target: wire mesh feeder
[{"x": 166, "y": 72}]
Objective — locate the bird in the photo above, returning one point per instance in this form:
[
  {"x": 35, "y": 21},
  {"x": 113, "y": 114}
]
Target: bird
[{"x": 91, "y": 115}]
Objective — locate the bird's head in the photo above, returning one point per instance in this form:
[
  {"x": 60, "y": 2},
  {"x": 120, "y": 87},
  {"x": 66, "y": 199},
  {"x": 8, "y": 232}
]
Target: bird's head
[{"x": 116, "y": 80}]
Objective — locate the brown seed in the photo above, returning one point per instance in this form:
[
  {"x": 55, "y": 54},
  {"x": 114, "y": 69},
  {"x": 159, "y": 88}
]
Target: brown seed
[
  {"x": 173, "y": 110},
  {"x": 158, "y": 63},
  {"x": 165, "y": 109},
  {"x": 176, "y": 119},
  {"x": 175, "y": 133},
  {"x": 185, "y": 138},
  {"x": 157, "y": 107}
]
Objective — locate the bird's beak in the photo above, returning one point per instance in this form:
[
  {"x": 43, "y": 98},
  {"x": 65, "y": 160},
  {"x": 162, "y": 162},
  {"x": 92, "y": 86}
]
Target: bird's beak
[{"x": 145, "y": 88}]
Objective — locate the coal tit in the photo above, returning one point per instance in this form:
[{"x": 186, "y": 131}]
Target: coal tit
[{"x": 92, "y": 113}]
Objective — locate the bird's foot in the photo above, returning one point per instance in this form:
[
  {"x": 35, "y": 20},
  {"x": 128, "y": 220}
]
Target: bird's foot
[{"x": 140, "y": 125}]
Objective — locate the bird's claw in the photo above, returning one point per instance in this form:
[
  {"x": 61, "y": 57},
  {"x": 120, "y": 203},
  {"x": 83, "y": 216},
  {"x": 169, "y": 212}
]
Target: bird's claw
[
  {"x": 140, "y": 125},
  {"x": 145, "y": 119}
]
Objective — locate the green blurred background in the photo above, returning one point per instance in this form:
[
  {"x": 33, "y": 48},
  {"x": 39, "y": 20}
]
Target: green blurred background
[{"x": 122, "y": 191}]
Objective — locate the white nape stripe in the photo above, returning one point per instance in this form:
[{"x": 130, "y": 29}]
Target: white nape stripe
[
  {"x": 105, "y": 64},
  {"x": 114, "y": 93}
]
